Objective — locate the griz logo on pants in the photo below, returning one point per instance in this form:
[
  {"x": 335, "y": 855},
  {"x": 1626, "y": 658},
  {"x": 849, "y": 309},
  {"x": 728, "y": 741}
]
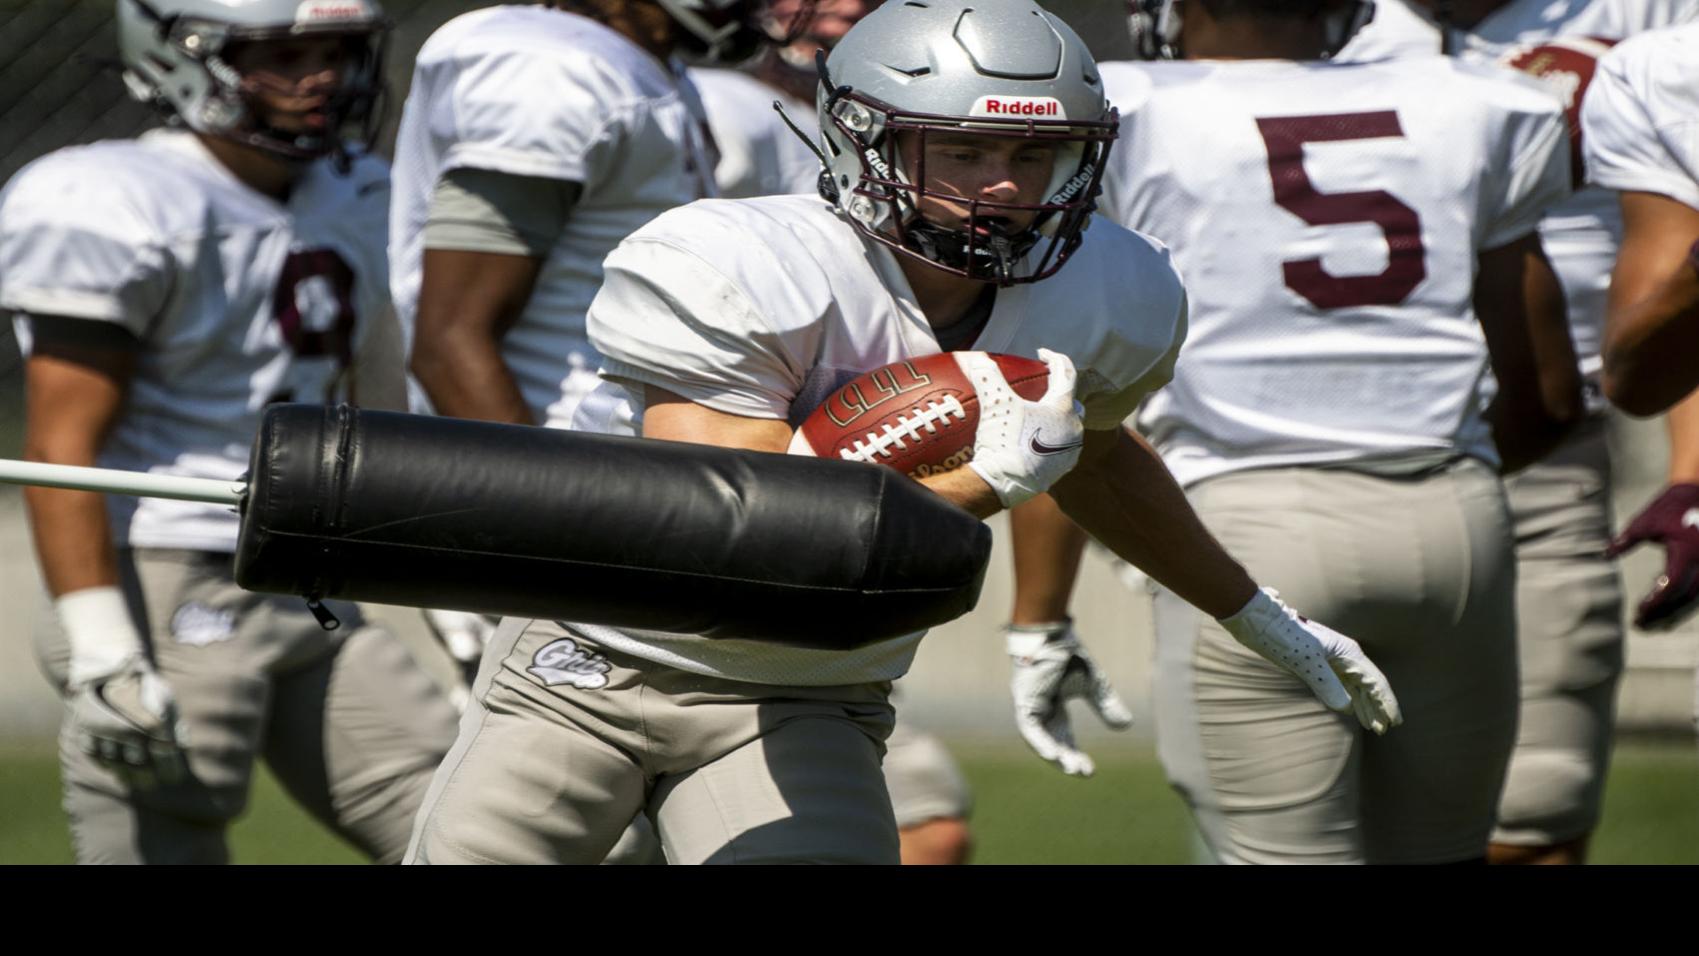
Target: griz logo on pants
[{"x": 564, "y": 662}]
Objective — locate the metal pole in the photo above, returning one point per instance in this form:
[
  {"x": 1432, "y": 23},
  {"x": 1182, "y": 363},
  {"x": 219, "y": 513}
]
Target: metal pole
[{"x": 113, "y": 481}]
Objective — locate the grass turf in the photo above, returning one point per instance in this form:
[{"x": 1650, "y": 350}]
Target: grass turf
[{"x": 1026, "y": 812}]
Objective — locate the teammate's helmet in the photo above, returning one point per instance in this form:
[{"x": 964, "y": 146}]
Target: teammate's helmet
[
  {"x": 1155, "y": 24},
  {"x": 731, "y": 31},
  {"x": 1004, "y": 69},
  {"x": 174, "y": 58}
]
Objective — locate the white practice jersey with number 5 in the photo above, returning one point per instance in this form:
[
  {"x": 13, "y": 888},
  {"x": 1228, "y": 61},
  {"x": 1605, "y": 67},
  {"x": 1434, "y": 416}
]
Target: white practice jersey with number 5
[
  {"x": 1327, "y": 219},
  {"x": 1580, "y": 234},
  {"x": 763, "y": 307},
  {"x": 237, "y": 300},
  {"x": 1642, "y": 116}
]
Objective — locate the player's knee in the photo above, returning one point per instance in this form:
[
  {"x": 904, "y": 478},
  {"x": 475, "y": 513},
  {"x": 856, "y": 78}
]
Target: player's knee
[
  {"x": 1551, "y": 799},
  {"x": 946, "y": 841}
]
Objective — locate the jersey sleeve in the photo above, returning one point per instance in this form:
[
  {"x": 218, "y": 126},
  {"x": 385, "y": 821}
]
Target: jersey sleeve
[
  {"x": 1530, "y": 169},
  {"x": 1108, "y": 403},
  {"x": 73, "y": 245},
  {"x": 526, "y": 113},
  {"x": 667, "y": 318},
  {"x": 1640, "y": 123}
]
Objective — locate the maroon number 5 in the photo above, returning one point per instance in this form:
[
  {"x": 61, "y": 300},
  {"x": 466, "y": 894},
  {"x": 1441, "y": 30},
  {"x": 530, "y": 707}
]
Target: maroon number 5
[{"x": 1285, "y": 137}]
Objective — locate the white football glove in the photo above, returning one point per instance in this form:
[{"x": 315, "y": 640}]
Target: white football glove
[
  {"x": 1022, "y": 447},
  {"x": 1333, "y": 665},
  {"x": 1050, "y": 668},
  {"x": 123, "y": 713}
]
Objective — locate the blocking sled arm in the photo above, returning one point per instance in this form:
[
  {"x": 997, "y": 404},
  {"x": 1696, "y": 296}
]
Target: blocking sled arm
[{"x": 665, "y": 536}]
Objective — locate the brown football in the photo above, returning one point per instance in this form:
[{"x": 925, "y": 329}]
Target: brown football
[
  {"x": 1566, "y": 65},
  {"x": 918, "y": 415}
]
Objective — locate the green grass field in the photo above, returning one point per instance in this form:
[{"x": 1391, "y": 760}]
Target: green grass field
[{"x": 1026, "y": 813}]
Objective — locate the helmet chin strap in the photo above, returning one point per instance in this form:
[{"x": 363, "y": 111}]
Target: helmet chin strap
[{"x": 1001, "y": 250}]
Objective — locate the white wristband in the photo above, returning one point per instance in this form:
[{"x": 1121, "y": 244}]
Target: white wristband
[{"x": 102, "y": 636}]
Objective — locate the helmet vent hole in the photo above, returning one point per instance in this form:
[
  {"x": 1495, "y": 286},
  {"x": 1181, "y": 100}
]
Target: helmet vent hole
[{"x": 161, "y": 64}]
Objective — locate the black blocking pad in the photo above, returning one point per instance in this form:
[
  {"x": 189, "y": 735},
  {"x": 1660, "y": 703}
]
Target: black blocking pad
[{"x": 599, "y": 529}]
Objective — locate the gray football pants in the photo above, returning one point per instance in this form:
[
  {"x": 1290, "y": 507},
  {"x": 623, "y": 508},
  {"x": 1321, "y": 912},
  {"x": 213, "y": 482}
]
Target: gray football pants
[
  {"x": 1569, "y": 638},
  {"x": 1418, "y": 570},
  {"x": 346, "y": 720},
  {"x": 565, "y": 742}
]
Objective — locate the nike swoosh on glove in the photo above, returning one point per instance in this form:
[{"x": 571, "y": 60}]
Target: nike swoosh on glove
[
  {"x": 1333, "y": 665},
  {"x": 1049, "y": 668},
  {"x": 1020, "y": 448},
  {"x": 1672, "y": 520}
]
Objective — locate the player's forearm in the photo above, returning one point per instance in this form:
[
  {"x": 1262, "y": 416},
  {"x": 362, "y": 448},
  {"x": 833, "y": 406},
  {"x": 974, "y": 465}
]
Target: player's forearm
[
  {"x": 1047, "y": 548},
  {"x": 1650, "y": 346},
  {"x": 1524, "y": 433},
  {"x": 964, "y": 488},
  {"x": 73, "y": 539},
  {"x": 1125, "y": 497},
  {"x": 465, "y": 377},
  {"x": 75, "y": 385},
  {"x": 1524, "y": 318},
  {"x": 1682, "y": 424},
  {"x": 468, "y": 301}
]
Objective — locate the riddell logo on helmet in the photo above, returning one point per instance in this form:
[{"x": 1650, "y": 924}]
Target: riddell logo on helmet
[
  {"x": 1020, "y": 107},
  {"x": 316, "y": 11}
]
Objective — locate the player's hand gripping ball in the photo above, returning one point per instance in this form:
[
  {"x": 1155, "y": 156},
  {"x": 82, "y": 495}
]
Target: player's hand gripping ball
[
  {"x": 1565, "y": 65},
  {"x": 918, "y": 415}
]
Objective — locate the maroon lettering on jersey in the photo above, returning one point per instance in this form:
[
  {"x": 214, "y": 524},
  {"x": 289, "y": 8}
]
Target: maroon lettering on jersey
[{"x": 1285, "y": 137}]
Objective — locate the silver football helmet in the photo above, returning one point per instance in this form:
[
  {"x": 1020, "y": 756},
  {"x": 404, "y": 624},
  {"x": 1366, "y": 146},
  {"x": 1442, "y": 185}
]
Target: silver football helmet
[
  {"x": 731, "y": 31},
  {"x": 174, "y": 55},
  {"x": 1155, "y": 24},
  {"x": 998, "y": 68}
]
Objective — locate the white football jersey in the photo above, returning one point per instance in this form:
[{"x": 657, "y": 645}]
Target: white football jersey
[
  {"x": 238, "y": 300},
  {"x": 1327, "y": 219},
  {"x": 1642, "y": 116},
  {"x": 759, "y": 154},
  {"x": 764, "y": 307},
  {"x": 1397, "y": 30},
  {"x": 1581, "y": 233},
  {"x": 531, "y": 91},
  {"x": 1401, "y": 28}
]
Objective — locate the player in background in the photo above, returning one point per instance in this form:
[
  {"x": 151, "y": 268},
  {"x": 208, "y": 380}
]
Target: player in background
[
  {"x": 727, "y": 322},
  {"x": 1484, "y": 30},
  {"x": 533, "y": 140},
  {"x": 1569, "y": 596},
  {"x": 165, "y": 290},
  {"x": 1568, "y": 593},
  {"x": 1641, "y": 121},
  {"x": 760, "y": 155},
  {"x": 1344, "y": 257}
]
